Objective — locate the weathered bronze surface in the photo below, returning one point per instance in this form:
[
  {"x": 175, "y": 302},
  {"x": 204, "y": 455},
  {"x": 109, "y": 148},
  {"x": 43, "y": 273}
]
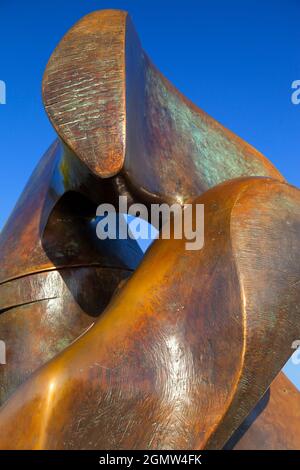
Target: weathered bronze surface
[
  {"x": 175, "y": 351},
  {"x": 117, "y": 112},
  {"x": 274, "y": 423}
]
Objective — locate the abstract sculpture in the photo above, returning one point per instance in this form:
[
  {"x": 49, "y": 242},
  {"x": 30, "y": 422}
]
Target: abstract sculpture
[{"x": 180, "y": 349}]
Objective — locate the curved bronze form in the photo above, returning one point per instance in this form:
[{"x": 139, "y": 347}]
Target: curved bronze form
[
  {"x": 175, "y": 351},
  {"x": 119, "y": 115}
]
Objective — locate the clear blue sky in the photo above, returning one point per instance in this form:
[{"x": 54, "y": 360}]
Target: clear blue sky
[{"x": 236, "y": 59}]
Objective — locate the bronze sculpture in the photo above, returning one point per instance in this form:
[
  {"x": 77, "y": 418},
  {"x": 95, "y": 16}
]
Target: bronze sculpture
[{"x": 179, "y": 353}]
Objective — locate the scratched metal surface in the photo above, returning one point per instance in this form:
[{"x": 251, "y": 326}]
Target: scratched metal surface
[
  {"x": 274, "y": 423},
  {"x": 177, "y": 359},
  {"x": 41, "y": 314},
  {"x": 165, "y": 366},
  {"x": 117, "y": 112}
]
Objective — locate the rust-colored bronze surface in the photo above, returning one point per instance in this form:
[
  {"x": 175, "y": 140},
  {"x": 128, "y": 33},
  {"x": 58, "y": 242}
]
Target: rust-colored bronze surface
[
  {"x": 175, "y": 351},
  {"x": 170, "y": 364},
  {"x": 118, "y": 113},
  {"x": 274, "y": 423},
  {"x": 43, "y": 313}
]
